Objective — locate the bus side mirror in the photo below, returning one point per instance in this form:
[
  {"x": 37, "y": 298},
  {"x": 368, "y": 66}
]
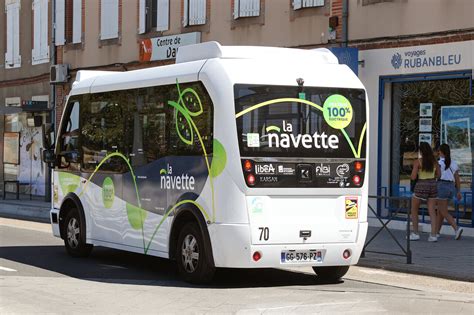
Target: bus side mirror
[{"x": 49, "y": 157}]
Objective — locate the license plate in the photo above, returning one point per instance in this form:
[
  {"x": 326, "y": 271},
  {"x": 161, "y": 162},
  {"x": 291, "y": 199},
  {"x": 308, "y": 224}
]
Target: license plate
[{"x": 301, "y": 256}]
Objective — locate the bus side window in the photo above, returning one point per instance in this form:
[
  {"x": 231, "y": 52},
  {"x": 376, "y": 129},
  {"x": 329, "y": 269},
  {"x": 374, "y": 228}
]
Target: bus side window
[
  {"x": 104, "y": 130},
  {"x": 203, "y": 123}
]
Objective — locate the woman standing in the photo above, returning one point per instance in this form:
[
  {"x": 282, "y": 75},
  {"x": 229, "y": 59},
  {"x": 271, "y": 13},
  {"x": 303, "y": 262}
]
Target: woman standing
[
  {"x": 427, "y": 170},
  {"x": 448, "y": 183}
]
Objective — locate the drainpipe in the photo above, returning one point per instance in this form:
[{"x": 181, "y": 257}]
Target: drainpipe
[
  {"x": 47, "y": 191},
  {"x": 345, "y": 6}
]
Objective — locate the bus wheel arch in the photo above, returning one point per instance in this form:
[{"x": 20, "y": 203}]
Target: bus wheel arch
[
  {"x": 190, "y": 221},
  {"x": 72, "y": 213}
]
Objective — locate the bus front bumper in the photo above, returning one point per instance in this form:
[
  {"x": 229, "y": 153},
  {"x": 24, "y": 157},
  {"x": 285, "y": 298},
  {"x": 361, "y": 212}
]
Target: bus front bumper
[{"x": 232, "y": 248}]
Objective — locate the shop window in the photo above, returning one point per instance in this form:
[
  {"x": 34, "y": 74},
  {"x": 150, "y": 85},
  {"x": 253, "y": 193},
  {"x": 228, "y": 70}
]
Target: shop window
[
  {"x": 301, "y": 4},
  {"x": 246, "y": 8},
  {"x": 12, "y": 54},
  {"x": 436, "y": 112},
  {"x": 153, "y": 15},
  {"x": 109, "y": 19},
  {"x": 194, "y": 12}
]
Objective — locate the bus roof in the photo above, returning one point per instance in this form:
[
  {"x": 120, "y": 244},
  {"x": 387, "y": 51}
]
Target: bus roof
[
  {"x": 209, "y": 50},
  {"x": 191, "y": 59}
]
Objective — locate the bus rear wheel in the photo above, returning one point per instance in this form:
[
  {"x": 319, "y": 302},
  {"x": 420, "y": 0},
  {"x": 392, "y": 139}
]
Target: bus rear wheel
[
  {"x": 74, "y": 236},
  {"x": 194, "y": 262},
  {"x": 331, "y": 273}
]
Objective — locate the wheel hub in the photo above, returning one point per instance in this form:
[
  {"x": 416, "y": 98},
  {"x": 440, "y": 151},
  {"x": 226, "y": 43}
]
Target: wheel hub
[{"x": 190, "y": 253}]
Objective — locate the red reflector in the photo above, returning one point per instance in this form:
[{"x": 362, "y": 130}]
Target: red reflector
[
  {"x": 257, "y": 256},
  {"x": 358, "y": 166},
  {"x": 247, "y": 165},
  {"x": 356, "y": 179},
  {"x": 346, "y": 254},
  {"x": 250, "y": 179}
]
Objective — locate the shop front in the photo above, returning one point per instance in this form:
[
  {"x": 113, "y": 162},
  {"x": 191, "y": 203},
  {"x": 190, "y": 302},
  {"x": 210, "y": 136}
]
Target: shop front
[
  {"x": 24, "y": 123},
  {"x": 420, "y": 94}
]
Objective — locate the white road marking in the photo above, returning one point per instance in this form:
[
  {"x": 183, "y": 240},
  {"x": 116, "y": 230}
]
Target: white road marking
[{"x": 7, "y": 269}]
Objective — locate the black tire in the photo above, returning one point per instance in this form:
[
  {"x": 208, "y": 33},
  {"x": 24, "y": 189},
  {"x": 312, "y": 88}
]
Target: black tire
[
  {"x": 75, "y": 235},
  {"x": 194, "y": 268},
  {"x": 331, "y": 273}
]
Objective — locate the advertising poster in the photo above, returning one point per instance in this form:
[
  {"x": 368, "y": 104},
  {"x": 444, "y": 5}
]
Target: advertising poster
[
  {"x": 457, "y": 130},
  {"x": 11, "y": 148},
  {"x": 425, "y": 124},
  {"x": 426, "y": 109}
]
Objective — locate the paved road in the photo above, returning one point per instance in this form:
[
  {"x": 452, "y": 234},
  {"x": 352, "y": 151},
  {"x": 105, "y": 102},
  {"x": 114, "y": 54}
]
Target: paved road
[{"x": 37, "y": 276}]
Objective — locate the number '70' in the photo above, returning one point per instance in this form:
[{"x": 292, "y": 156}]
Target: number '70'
[{"x": 264, "y": 233}]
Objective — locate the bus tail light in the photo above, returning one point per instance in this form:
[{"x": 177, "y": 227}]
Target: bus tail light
[
  {"x": 358, "y": 166},
  {"x": 251, "y": 179},
  {"x": 248, "y": 166},
  {"x": 346, "y": 254},
  {"x": 356, "y": 180},
  {"x": 256, "y": 256}
]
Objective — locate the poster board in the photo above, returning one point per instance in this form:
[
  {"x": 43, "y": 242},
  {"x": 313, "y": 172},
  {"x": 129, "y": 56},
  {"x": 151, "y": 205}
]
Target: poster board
[{"x": 11, "y": 148}]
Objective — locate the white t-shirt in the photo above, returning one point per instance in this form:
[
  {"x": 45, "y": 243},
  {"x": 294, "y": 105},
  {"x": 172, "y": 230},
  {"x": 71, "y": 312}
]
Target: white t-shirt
[{"x": 448, "y": 174}]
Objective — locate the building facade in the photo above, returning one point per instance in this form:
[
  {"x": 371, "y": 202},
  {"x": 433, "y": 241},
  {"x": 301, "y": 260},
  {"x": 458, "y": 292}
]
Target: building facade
[
  {"x": 24, "y": 92},
  {"x": 414, "y": 56}
]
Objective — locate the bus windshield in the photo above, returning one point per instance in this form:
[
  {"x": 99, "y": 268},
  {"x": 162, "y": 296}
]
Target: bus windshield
[
  {"x": 292, "y": 136},
  {"x": 305, "y": 122}
]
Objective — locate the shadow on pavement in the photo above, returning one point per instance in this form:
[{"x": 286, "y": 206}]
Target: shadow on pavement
[{"x": 114, "y": 266}]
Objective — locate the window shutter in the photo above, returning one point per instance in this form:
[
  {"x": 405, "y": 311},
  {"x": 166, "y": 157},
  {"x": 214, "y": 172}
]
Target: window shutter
[
  {"x": 163, "y": 15},
  {"x": 76, "y": 21},
  {"x": 297, "y": 4},
  {"x": 245, "y": 8},
  {"x": 44, "y": 40},
  {"x": 36, "y": 31},
  {"x": 16, "y": 34},
  {"x": 40, "y": 51},
  {"x": 109, "y": 19},
  {"x": 142, "y": 17},
  {"x": 186, "y": 13},
  {"x": 59, "y": 27},
  {"x": 10, "y": 31},
  {"x": 197, "y": 12}
]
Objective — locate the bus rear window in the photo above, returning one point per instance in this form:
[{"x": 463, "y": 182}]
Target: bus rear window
[{"x": 306, "y": 122}]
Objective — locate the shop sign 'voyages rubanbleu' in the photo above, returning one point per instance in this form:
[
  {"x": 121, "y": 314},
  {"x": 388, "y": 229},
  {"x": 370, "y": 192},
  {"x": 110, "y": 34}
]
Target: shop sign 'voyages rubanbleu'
[{"x": 166, "y": 47}]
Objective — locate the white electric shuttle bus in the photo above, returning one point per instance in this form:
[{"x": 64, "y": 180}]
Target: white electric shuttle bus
[{"x": 242, "y": 157}]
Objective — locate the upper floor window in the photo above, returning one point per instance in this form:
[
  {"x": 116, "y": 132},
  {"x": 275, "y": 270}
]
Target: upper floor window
[
  {"x": 300, "y": 4},
  {"x": 12, "y": 54},
  {"x": 194, "y": 12},
  {"x": 246, "y": 8},
  {"x": 40, "y": 52},
  {"x": 153, "y": 15},
  {"x": 109, "y": 19},
  {"x": 68, "y": 28}
]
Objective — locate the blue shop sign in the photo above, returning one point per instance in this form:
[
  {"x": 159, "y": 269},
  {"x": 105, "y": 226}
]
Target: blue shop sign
[{"x": 348, "y": 56}]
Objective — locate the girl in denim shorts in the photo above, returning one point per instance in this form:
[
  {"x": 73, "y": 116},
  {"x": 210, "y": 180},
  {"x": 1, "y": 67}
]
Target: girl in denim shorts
[{"x": 448, "y": 186}]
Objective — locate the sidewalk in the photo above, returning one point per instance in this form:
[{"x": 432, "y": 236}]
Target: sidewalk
[
  {"x": 32, "y": 210},
  {"x": 446, "y": 258}
]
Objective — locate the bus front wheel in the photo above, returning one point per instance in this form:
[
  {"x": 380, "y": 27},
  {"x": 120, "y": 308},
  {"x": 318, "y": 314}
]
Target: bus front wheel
[
  {"x": 331, "y": 273},
  {"x": 74, "y": 236},
  {"x": 194, "y": 262}
]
